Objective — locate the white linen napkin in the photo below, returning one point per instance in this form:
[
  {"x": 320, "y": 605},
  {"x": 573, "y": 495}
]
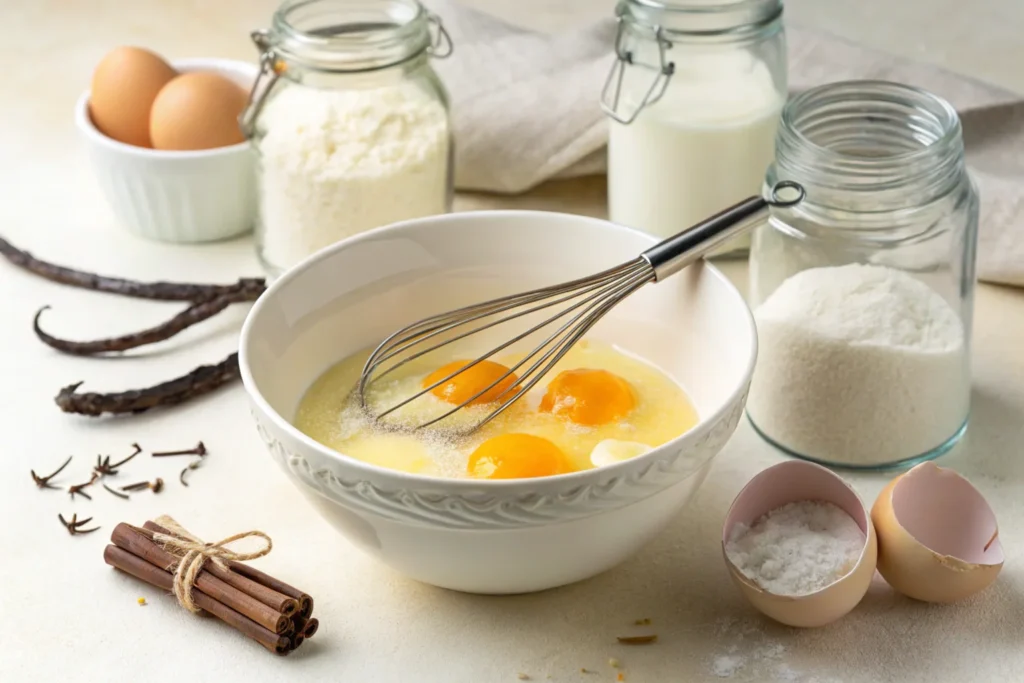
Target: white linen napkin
[{"x": 526, "y": 109}]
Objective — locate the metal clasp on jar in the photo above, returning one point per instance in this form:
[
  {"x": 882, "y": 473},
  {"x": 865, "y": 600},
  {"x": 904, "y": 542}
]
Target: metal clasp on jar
[
  {"x": 271, "y": 68},
  {"x": 441, "y": 47},
  {"x": 611, "y": 93}
]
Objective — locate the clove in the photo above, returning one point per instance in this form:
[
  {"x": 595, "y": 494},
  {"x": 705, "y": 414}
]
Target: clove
[
  {"x": 156, "y": 486},
  {"x": 117, "y": 493},
  {"x": 199, "y": 450},
  {"x": 194, "y": 465},
  {"x": 75, "y": 525},
  {"x": 78, "y": 489},
  {"x": 104, "y": 466},
  {"x": 44, "y": 482}
]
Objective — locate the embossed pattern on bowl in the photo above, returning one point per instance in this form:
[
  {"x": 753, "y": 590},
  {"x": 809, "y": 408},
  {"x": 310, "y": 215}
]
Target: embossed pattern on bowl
[{"x": 487, "y": 536}]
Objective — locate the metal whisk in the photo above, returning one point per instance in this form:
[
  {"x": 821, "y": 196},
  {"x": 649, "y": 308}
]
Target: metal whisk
[{"x": 585, "y": 301}]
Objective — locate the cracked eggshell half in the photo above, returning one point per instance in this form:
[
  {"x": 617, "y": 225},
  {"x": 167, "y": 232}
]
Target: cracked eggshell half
[
  {"x": 788, "y": 482},
  {"x": 937, "y": 536}
]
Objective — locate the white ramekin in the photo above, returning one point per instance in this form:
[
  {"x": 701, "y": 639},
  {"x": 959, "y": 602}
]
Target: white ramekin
[
  {"x": 177, "y": 196},
  {"x": 515, "y": 535}
]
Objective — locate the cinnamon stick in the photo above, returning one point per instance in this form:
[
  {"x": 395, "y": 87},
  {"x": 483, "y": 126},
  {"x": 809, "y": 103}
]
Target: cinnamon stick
[
  {"x": 311, "y": 627},
  {"x": 134, "y": 541},
  {"x": 284, "y": 604},
  {"x": 305, "y": 601},
  {"x": 141, "y": 569}
]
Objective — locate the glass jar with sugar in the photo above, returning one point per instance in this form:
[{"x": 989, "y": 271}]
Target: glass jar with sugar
[
  {"x": 349, "y": 121},
  {"x": 693, "y": 100},
  {"x": 863, "y": 293}
]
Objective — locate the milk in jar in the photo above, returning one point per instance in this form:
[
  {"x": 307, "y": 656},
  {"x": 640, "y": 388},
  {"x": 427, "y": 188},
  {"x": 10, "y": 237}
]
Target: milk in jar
[{"x": 694, "y": 102}]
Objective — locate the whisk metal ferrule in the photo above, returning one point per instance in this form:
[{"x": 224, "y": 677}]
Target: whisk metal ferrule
[{"x": 677, "y": 252}]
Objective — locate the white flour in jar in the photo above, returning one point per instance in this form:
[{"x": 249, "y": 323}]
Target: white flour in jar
[
  {"x": 858, "y": 365},
  {"x": 338, "y": 162}
]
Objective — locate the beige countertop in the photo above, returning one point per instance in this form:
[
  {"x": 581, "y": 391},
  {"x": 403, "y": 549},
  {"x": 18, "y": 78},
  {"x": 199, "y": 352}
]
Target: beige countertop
[{"x": 69, "y": 617}]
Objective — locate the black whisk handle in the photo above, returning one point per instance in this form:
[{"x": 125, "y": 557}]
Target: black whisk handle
[{"x": 675, "y": 253}]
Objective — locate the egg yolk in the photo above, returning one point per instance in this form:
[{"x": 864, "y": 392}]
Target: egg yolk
[
  {"x": 589, "y": 397},
  {"x": 470, "y": 381},
  {"x": 517, "y": 456}
]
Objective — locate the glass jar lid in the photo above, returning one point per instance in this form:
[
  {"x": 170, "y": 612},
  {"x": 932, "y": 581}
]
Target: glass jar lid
[
  {"x": 347, "y": 35},
  {"x": 870, "y": 137},
  {"x": 342, "y": 36},
  {"x": 701, "y": 17},
  {"x": 665, "y": 22}
]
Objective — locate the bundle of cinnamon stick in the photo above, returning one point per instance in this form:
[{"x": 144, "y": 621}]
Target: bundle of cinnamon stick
[{"x": 274, "y": 614}]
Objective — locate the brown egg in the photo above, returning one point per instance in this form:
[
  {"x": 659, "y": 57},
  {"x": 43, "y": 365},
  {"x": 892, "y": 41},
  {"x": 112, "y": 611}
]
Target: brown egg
[
  {"x": 197, "y": 111},
  {"x": 124, "y": 85}
]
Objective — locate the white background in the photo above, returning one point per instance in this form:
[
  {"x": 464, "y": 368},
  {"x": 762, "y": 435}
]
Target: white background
[{"x": 66, "y": 616}]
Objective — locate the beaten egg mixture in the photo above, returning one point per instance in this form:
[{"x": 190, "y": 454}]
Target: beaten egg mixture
[{"x": 596, "y": 406}]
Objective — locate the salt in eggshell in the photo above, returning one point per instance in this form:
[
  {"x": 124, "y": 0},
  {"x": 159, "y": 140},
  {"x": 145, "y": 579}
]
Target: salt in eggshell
[
  {"x": 788, "y": 482},
  {"x": 937, "y": 536}
]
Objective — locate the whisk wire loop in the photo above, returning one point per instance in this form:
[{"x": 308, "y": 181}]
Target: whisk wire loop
[
  {"x": 392, "y": 347},
  {"x": 607, "y": 287},
  {"x": 559, "y": 342},
  {"x": 586, "y": 301}
]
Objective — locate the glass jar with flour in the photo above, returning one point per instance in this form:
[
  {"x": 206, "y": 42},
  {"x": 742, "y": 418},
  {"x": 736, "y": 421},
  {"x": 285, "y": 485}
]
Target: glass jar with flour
[
  {"x": 693, "y": 99},
  {"x": 349, "y": 121},
  {"x": 863, "y": 293}
]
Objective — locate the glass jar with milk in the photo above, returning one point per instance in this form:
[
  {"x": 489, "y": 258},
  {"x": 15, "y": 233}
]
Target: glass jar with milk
[{"x": 694, "y": 98}]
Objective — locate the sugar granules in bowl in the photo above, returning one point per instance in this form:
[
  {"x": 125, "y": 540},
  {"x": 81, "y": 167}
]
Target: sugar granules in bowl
[
  {"x": 797, "y": 549},
  {"x": 859, "y": 365}
]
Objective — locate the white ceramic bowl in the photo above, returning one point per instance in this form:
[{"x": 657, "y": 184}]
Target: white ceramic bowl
[
  {"x": 493, "y": 536},
  {"x": 177, "y": 196}
]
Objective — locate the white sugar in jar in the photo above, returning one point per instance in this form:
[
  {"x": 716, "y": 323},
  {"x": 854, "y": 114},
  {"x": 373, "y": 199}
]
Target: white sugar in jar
[
  {"x": 859, "y": 365},
  {"x": 351, "y": 125},
  {"x": 694, "y": 102},
  {"x": 863, "y": 294}
]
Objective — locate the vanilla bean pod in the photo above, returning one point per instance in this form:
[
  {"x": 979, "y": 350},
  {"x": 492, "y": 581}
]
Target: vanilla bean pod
[
  {"x": 158, "y": 291},
  {"x": 206, "y": 300},
  {"x": 194, "y": 314},
  {"x": 203, "y": 380}
]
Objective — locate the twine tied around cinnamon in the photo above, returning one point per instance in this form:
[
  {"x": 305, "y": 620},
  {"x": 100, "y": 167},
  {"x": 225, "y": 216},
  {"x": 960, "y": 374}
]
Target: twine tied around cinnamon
[{"x": 194, "y": 552}]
